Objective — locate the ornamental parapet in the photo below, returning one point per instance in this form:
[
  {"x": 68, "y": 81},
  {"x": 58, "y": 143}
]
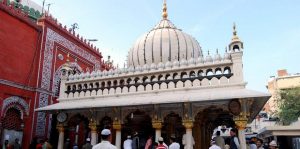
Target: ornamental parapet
[
  {"x": 176, "y": 75},
  {"x": 21, "y": 10}
]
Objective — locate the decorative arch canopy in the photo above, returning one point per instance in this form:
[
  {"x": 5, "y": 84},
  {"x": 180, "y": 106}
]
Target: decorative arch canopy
[{"x": 16, "y": 102}]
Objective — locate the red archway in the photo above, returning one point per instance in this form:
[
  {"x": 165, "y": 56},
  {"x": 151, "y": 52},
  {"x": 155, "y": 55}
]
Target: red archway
[{"x": 12, "y": 125}]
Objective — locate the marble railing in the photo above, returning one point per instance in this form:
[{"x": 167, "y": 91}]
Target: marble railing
[{"x": 156, "y": 78}]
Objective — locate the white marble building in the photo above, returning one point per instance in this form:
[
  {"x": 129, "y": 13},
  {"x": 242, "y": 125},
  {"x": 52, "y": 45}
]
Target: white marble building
[{"x": 168, "y": 88}]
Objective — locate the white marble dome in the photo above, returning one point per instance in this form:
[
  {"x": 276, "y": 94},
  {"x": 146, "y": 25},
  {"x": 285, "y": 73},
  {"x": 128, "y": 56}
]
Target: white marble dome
[{"x": 163, "y": 43}]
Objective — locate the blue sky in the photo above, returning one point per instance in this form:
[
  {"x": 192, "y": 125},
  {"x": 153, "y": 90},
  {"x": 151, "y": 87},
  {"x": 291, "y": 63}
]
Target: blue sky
[{"x": 270, "y": 29}]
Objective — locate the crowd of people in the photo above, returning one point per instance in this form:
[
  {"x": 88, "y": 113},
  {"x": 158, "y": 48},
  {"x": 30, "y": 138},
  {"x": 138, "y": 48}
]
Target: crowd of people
[
  {"x": 133, "y": 143},
  {"x": 42, "y": 144},
  {"x": 15, "y": 145},
  {"x": 218, "y": 142}
]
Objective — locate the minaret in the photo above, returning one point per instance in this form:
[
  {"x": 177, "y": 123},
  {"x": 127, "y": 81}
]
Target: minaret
[
  {"x": 236, "y": 44},
  {"x": 165, "y": 13},
  {"x": 236, "y": 54}
]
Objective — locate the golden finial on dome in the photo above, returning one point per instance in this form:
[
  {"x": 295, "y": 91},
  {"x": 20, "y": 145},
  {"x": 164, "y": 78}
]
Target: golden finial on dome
[
  {"x": 165, "y": 13},
  {"x": 235, "y": 37},
  {"x": 234, "y": 29}
]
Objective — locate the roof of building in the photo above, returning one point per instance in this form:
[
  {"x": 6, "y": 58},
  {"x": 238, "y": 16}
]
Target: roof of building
[{"x": 154, "y": 97}]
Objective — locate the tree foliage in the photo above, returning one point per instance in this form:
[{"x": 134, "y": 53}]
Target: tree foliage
[{"x": 289, "y": 105}]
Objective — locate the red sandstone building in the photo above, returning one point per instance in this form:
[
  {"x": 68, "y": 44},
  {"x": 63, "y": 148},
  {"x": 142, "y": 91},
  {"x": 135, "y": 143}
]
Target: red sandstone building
[{"x": 33, "y": 50}]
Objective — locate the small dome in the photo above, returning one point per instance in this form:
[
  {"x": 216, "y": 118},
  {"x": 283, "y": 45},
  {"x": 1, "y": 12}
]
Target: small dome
[
  {"x": 105, "y": 73},
  {"x": 191, "y": 61},
  {"x": 176, "y": 64},
  {"x": 99, "y": 73},
  {"x": 161, "y": 65},
  {"x": 226, "y": 55},
  {"x": 217, "y": 56},
  {"x": 94, "y": 74},
  {"x": 71, "y": 77},
  {"x": 131, "y": 69},
  {"x": 200, "y": 59},
  {"x": 81, "y": 76},
  {"x": 168, "y": 64},
  {"x": 183, "y": 62},
  {"x": 146, "y": 67},
  {"x": 118, "y": 71},
  {"x": 153, "y": 66},
  {"x": 138, "y": 69},
  {"x": 111, "y": 72},
  {"x": 124, "y": 70},
  {"x": 208, "y": 58},
  {"x": 76, "y": 76}
]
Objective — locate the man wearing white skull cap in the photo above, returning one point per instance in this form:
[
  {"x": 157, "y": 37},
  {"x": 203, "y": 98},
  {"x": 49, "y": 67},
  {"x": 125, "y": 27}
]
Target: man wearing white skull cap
[{"x": 105, "y": 144}]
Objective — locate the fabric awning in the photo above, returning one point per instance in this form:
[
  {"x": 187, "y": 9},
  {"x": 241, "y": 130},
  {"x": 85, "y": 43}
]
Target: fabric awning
[{"x": 280, "y": 131}]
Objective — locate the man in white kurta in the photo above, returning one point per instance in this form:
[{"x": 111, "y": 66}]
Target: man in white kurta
[
  {"x": 174, "y": 144},
  {"x": 184, "y": 141},
  {"x": 105, "y": 144},
  {"x": 127, "y": 143}
]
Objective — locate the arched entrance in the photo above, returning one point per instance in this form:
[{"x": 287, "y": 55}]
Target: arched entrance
[
  {"x": 140, "y": 122},
  {"x": 172, "y": 126},
  {"x": 205, "y": 123},
  {"x": 78, "y": 130},
  {"x": 12, "y": 125},
  {"x": 14, "y": 109}
]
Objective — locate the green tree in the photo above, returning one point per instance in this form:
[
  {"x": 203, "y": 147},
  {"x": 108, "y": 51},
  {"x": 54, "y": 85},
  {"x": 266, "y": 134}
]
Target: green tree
[{"x": 289, "y": 105}]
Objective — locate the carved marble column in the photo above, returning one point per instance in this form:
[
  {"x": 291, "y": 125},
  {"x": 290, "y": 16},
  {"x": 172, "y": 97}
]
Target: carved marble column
[
  {"x": 60, "y": 128},
  {"x": 241, "y": 123},
  {"x": 157, "y": 125},
  {"x": 93, "y": 127},
  {"x": 188, "y": 138},
  {"x": 117, "y": 126}
]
